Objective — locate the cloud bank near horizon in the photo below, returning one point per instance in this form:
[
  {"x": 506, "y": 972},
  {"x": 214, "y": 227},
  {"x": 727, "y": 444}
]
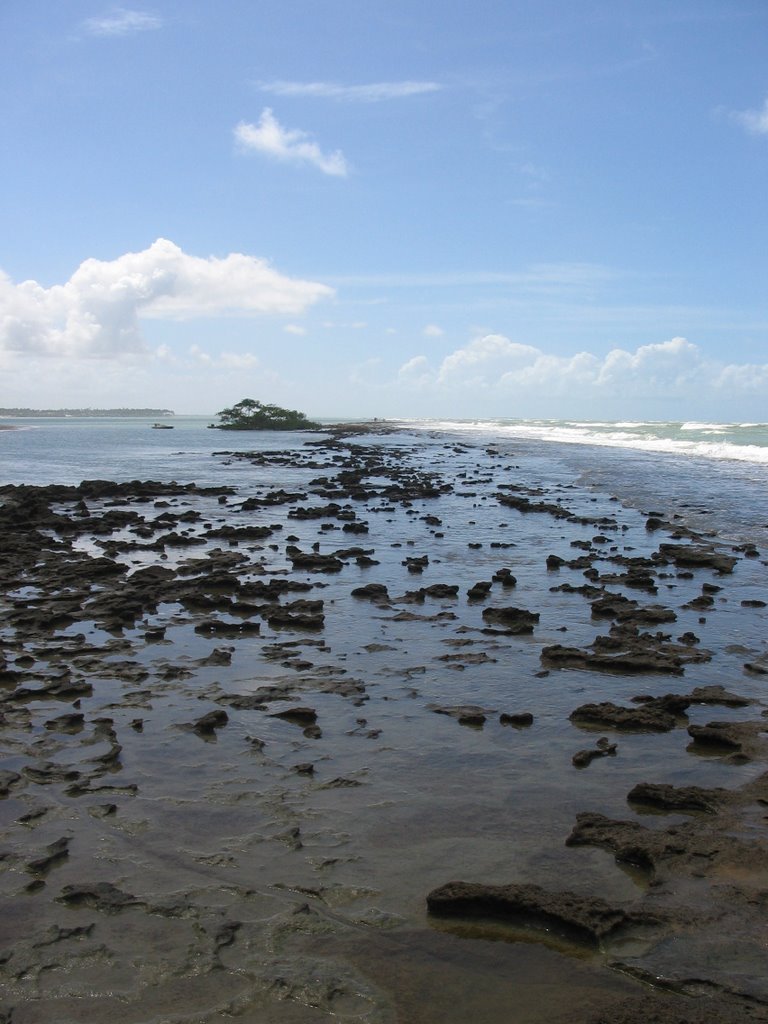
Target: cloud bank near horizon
[
  {"x": 87, "y": 331},
  {"x": 495, "y": 365},
  {"x": 97, "y": 312}
]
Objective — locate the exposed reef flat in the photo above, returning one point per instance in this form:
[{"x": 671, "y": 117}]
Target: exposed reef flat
[{"x": 379, "y": 728}]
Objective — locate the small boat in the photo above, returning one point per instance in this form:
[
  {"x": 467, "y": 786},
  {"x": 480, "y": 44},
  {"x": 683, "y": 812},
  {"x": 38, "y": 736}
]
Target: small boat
[{"x": 162, "y": 426}]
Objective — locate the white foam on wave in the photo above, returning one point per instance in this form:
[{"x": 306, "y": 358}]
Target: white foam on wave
[
  {"x": 636, "y": 424},
  {"x": 707, "y": 428},
  {"x": 566, "y": 433}
]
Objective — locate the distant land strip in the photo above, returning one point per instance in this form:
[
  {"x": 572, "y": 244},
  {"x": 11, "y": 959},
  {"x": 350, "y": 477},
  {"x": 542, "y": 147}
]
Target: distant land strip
[{"x": 86, "y": 412}]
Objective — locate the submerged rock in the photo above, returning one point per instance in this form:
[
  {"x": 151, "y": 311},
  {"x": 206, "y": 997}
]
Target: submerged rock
[
  {"x": 662, "y": 796},
  {"x": 578, "y": 918},
  {"x": 606, "y": 714}
]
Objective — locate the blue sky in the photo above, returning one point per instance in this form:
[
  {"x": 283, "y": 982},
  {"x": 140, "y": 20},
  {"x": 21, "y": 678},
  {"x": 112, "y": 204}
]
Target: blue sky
[{"x": 387, "y": 208}]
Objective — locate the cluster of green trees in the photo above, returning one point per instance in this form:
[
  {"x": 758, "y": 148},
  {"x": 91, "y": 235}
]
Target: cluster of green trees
[{"x": 250, "y": 414}]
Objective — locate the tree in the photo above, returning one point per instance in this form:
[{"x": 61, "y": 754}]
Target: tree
[{"x": 250, "y": 414}]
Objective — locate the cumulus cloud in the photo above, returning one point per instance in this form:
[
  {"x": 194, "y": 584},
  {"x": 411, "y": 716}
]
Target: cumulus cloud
[
  {"x": 755, "y": 121},
  {"x": 290, "y": 145},
  {"x": 433, "y": 331},
  {"x": 415, "y": 372},
  {"x": 485, "y": 360},
  {"x": 121, "y": 22},
  {"x": 744, "y": 379},
  {"x": 225, "y": 360},
  {"x": 97, "y": 312},
  {"x": 669, "y": 369},
  {"x": 375, "y": 92}
]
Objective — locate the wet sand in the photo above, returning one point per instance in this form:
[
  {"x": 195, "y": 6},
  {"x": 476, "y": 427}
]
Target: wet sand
[{"x": 391, "y": 731}]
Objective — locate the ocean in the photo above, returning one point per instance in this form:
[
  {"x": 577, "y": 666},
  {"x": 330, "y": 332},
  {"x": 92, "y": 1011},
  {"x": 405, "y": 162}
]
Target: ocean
[
  {"x": 244, "y": 811},
  {"x": 713, "y": 475}
]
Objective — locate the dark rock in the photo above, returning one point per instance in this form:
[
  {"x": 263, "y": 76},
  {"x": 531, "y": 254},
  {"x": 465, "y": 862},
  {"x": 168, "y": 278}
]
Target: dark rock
[
  {"x": 511, "y": 620},
  {"x": 578, "y": 918},
  {"x": 313, "y": 562},
  {"x": 608, "y": 715},
  {"x": 716, "y": 694},
  {"x": 692, "y": 557},
  {"x": 720, "y": 734},
  {"x": 55, "y": 853},
  {"x": 630, "y": 842},
  {"x": 8, "y": 779},
  {"x": 648, "y": 615},
  {"x": 416, "y": 563},
  {"x": 465, "y": 714},
  {"x": 610, "y": 605},
  {"x": 627, "y": 650},
  {"x": 505, "y": 577},
  {"x": 296, "y": 615},
  {"x": 604, "y": 748},
  {"x": 525, "y": 505},
  {"x": 441, "y": 591},
  {"x": 520, "y": 718},
  {"x": 229, "y": 630},
  {"x": 558, "y": 656},
  {"x": 694, "y": 846},
  {"x": 676, "y": 798},
  {"x": 299, "y": 716},
  {"x": 47, "y": 773},
  {"x": 218, "y": 656},
  {"x": 208, "y": 724},
  {"x": 372, "y": 591},
  {"x": 101, "y": 896}
]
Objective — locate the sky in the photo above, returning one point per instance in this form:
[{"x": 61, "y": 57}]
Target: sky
[{"x": 358, "y": 208}]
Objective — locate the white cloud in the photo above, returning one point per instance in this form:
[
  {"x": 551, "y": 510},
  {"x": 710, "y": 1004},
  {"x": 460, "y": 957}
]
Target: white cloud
[
  {"x": 294, "y": 329},
  {"x": 755, "y": 121},
  {"x": 374, "y": 92},
  {"x": 747, "y": 379},
  {"x": 199, "y": 355},
  {"x": 225, "y": 360},
  {"x": 122, "y": 22},
  {"x": 492, "y": 364},
  {"x": 290, "y": 145},
  {"x": 238, "y": 361},
  {"x": 538, "y": 278},
  {"x": 416, "y": 372},
  {"x": 433, "y": 331},
  {"x": 485, "y": 360},
  {"x": 97, "y": 311}
]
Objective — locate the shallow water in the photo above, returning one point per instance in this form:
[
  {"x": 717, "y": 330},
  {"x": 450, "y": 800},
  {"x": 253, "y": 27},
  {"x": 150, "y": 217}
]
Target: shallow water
[{"x": 402, "y": 799}]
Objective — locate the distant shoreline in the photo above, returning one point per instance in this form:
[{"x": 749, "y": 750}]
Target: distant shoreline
[{"x": 85, "y": 413}]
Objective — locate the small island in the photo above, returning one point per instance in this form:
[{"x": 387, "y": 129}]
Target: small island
[{"x": 250, "y": 414}]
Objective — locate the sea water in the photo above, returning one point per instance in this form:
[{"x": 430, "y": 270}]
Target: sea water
[
  {"x": 713, "y": 475},
  {"x": 410, "y": 799}
]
